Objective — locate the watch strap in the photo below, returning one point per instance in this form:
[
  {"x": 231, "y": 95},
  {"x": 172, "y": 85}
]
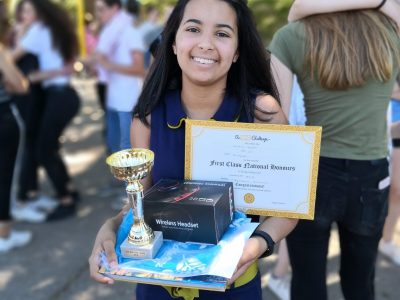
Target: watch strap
[{"x": 268, "y": 239}]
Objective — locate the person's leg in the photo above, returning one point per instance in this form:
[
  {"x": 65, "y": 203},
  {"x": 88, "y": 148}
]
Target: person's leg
[
  {"x": 282, "y": 266},
  {"x": 9, "y": 138},
  {"x": 387, "y": 246},
  {"x": 361, "y": 228},
  {"x": 101, "y": 88},
  {"x": 125, "y": 120},
  {"x": 308, "y": 243},
  {"x": 279, "y": 281},
  {"x": 28, "y": 181},
  {"x": 357, "y": 264},
  {"x": 308, "y": 250},
  {"x": 61, "y": 106},
  {"x": 394, "y": 191},
  {"x": 113, "y": 133}
]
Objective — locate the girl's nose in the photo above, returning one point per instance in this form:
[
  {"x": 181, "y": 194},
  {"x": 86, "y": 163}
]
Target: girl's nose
[{"x": 206, "y": 43}]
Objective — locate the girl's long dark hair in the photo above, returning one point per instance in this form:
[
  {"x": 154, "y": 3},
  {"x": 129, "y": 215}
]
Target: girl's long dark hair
[
  {"x": 251, "y": 72},
  {"x": 60, "y": 25}
]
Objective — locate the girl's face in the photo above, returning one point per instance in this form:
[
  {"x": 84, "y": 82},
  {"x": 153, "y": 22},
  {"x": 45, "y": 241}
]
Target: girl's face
[
  {"x": 28, "y": 14},
  {"x": 103, "y": 12},
  {"x": 206, "y": 42}
]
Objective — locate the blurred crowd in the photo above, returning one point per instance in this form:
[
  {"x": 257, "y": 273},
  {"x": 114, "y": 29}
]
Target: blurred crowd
[{"x": 39, "y": 42}]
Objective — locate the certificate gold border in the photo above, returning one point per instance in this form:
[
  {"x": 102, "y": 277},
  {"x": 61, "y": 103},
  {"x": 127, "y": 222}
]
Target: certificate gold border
[{"x": 316, "y": 148}]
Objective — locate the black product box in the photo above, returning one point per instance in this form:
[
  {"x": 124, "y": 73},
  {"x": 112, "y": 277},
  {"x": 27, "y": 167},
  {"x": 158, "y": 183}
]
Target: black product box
[{"x": 189, "y": 210}]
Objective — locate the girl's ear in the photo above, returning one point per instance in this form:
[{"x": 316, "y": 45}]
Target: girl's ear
[
  {"x": 236, "y": 57},
  {"x": 174, "y": 48}
]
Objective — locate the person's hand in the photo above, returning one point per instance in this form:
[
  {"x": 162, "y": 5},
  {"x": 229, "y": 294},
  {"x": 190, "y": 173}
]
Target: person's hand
[
  {"x": 20, "y": 30},
  {"x": 103, "y": 61},
  {"x": 254, "y": 247},
  {"x": 67, "y": 69},
  {"x": 105, "y": 242}
]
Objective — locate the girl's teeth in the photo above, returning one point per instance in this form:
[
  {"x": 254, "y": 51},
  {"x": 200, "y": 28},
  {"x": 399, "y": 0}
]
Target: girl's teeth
[{"x": 203, "y": 60}]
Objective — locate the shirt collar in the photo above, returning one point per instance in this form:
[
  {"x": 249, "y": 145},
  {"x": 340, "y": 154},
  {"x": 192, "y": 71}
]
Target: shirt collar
[{"x": 228, "y": 111}]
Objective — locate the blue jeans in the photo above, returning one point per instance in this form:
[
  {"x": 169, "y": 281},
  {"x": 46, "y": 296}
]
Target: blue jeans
[
  {"x": 118, "y": 130},
  {"x": 347, "y": 193}
]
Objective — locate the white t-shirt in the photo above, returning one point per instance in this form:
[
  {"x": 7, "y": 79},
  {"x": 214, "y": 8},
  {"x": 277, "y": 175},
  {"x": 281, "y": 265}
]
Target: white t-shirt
[
  {"x": 109, "y": 37},
  {"x": 38, "y": 40},
  {"x": 123, "y": 90},
  {"x": 297, "y": 115}
]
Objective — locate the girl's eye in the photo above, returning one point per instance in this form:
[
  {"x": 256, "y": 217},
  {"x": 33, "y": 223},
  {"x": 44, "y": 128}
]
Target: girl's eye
[
  {"x": 192, "y": 29},
  {"x": 222, "y": 34}
]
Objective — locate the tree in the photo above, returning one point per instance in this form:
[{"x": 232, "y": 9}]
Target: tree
[{"x": 269, "y": 14}]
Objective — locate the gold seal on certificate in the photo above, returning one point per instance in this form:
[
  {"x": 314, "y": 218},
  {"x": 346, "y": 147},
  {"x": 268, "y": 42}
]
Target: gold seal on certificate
[
  {"x": 273, "y": 168},
  {"x": 131, "y": 165}
]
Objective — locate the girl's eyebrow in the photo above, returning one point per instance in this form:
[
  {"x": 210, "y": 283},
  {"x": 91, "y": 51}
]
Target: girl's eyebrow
[{"x": 218, "y": 25}]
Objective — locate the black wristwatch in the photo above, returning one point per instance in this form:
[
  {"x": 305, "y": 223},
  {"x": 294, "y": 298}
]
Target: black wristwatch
[{"x": 268, "y": 239}]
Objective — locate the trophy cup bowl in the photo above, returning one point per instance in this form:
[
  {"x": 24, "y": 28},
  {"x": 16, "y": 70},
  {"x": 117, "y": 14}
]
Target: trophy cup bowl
[{"x": 131, "y": 165}]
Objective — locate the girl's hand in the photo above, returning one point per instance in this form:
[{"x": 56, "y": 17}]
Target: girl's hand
[
  {"x": 105, "y": 242},
  {"x": 253, "y": 249}
]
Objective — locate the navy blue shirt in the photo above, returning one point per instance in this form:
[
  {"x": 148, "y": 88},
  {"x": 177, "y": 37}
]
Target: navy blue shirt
[{"x": 167, "y": 137}]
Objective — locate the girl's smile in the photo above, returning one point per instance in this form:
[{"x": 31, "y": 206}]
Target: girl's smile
[{"x": 206, "y": 42}]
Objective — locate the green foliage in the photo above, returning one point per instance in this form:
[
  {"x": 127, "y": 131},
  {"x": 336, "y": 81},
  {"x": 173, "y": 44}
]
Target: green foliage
[{"x": 269, "y": 14}]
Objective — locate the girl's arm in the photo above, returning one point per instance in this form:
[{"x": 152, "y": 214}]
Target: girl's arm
[
  {"x": 284, "y": 82},
  {"x": 14, "y": 81},
  {"x": 135, "y": 69},
  {"x": 17, "y": 53},
  {"x": 396, "y": 92},
  {"x": 304, "y": 8},
  {"x": 38, "y": 76}
]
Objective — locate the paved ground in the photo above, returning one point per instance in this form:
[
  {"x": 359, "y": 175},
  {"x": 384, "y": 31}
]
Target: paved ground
[{"x": 54, "y": 266}]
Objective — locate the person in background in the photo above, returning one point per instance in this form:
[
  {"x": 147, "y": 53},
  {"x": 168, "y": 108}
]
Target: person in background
[
  {"x": 203, "y": 69},
  {"x": 11, "y": 81},
  {"x": 51, "y": 36},
  {"x": 124, "y": 65},
  {"x": 120, "y": 53},
  {"x": 91, "y": 34},
  {"x": 387, "y": 246},
  {"x": 31, "y": 205},
  {"x": 327, "y": 52}
]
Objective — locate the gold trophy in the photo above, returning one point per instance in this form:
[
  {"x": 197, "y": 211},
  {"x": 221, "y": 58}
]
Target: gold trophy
[{"x": 131, "y": 165}]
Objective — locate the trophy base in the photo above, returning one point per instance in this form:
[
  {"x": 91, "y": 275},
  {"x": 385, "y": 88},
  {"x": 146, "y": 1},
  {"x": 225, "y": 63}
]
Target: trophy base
[{"x": 129, "y": 250}]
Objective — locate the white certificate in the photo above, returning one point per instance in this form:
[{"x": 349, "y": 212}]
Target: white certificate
[{"x": 273, "y": 167}]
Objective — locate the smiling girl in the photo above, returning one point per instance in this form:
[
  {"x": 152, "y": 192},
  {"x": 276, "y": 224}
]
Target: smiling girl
[{"x": 211, "y": 64}]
